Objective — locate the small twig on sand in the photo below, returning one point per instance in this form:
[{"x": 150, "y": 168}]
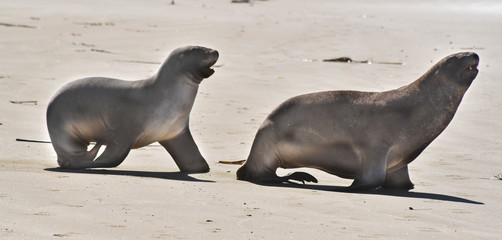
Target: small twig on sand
[
  {"x": 101, "y": 51},
  {"x": 135, "y": 61},
  {"x": 349, "y": 60},
  {"x": 29, "y": 140},
  {"x": 16, "y": 25},
  {"x": 24, "y": 102}
]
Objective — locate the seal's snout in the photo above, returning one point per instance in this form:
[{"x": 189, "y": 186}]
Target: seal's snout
[
  {"x": 472, "y": 61},
  {"x": 213, "y": 53},
  {"x": 213, "y": 56},
  {"x": 469, "y": 58},
  {"x": 468, "y": 66},
  {"x": 474, "y": 56}
]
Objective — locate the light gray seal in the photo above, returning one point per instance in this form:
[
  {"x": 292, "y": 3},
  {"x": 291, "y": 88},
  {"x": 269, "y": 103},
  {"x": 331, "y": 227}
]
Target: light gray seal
[
  {"x": 370, "y": 137},
  {"x": 131, "y": 114}
]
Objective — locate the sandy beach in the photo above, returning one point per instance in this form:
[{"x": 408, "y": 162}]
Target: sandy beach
[{"x": 269, "y": 51}]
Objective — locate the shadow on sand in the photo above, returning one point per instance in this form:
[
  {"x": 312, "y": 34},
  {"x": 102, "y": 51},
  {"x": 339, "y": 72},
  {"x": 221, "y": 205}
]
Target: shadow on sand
[
  {"x": 179, "y": 176},
  {"x": 385, "y": 192}
]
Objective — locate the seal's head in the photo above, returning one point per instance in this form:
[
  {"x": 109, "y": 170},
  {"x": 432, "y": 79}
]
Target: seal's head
[
  {"x": 460, "y": 68},
  {"x": 195, "y": 61}
]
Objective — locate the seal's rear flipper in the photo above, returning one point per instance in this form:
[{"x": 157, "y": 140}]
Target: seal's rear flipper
[{"x": 301, "y": 177}]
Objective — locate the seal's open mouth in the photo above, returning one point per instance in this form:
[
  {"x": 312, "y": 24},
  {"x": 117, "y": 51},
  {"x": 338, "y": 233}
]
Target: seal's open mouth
[
  {"x": 206, "y": 69},
  {"x": 473, "y": 66},
  {"x": 472, "y": 69}
]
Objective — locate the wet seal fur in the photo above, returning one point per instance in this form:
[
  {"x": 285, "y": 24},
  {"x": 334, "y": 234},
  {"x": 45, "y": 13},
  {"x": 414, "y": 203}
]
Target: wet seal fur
[
  {"x": 131, "y": 114},
  {"x": 370, "y": 137}
]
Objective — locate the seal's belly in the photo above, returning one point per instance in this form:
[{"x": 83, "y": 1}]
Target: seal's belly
[
  {"x": 160, "y": 131},
  {"x": 338, "y": 158}
]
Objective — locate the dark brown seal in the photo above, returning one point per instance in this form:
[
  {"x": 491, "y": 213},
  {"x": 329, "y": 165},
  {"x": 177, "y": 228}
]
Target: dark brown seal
[
  {"x": 131, "y": 114},
  {"x": 370, "y": 137}
]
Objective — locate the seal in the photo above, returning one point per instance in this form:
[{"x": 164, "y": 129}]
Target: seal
[
  {"x": 370, "y": 137},
  {"x": 124, "y": 115}
]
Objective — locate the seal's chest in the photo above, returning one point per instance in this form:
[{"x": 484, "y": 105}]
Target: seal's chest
[{"x": 161, "y": 129}]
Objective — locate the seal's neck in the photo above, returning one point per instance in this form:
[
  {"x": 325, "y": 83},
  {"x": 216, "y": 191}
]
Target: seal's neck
[
  {"x": 435, "y": 99},
  {"x": 439, "y": 91},
  {"x": 174, "y": 82},
  {"x": 166, "y": 76}
]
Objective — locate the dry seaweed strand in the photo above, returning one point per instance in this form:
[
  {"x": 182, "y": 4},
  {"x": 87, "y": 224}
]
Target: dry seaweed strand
[{"x": 240, "y": 162}]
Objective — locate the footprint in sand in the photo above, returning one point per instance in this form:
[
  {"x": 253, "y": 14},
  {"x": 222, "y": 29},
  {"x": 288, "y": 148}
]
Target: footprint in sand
[
  {"x": 428, "y": 229},
  {"x": 65, "y": 234}
]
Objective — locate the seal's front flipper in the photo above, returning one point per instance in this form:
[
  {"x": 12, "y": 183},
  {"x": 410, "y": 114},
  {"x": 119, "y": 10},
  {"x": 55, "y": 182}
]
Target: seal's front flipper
[
  {"x": 301, "y": 177},
  {"x": 185, "y": 153},
  {"x": 373, "y": 169},
  {"x": 78, "y": 159},
  {"x": 114, "y": 155}
]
